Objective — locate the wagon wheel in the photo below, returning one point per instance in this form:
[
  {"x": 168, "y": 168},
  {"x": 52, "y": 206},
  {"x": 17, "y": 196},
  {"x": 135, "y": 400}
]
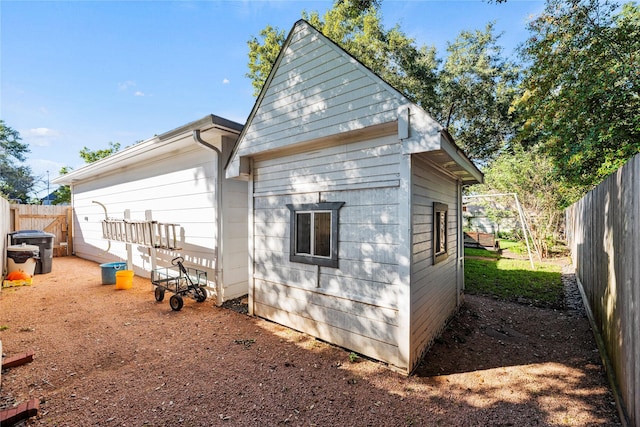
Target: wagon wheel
[
  {"x": 159, "y": 294},
  {"x": 200, "y": 294},
  {"x": 176, "y": 302}
]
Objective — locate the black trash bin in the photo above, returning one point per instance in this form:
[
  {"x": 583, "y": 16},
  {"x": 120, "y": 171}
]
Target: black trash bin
[{"x": 41, "y": 239}]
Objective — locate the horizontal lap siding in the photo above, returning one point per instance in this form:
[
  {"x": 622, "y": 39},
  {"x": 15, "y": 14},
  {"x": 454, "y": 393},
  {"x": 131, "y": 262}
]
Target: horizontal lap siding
[
  {"x": 433, "y": 287},
  {"x": 235, "y": 259},
  {"x": 177, "y": 189},
  {"x": 364, "y": 164},
  {"x": 362, "y": 328},
  {"x": 354, "y": 305},
  {"x": 316, "y": 91}
]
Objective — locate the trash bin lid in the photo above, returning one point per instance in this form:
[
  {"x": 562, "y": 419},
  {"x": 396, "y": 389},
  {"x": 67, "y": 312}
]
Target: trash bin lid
[
  {"x": 31, "y": 234},
  {"x": 23, "y": 248}
]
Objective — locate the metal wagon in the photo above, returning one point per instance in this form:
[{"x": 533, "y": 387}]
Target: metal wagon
[{"x": 181, "y": 281}]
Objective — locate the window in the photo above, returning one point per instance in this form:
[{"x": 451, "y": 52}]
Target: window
[
  {"x": 440, "y": 244},
  {"x": 314, "y": 233}
]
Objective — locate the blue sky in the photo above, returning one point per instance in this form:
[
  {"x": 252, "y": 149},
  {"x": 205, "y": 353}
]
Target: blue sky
[{"x": 86, "y": 73}]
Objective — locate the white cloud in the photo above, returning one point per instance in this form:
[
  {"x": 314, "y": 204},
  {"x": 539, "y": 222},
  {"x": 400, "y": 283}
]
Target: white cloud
[
  {"x": 122, "y": 86},
  {"x": 41, "y": 132},
  {"x": 225, "y": 81},
  {"x": 41, "y": 137},
  {"x": 127, "y": 86}
]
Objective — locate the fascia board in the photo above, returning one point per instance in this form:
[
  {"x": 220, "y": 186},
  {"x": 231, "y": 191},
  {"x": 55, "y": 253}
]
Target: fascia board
[
  {"x": 166, "y": 142},
  {"x": 116, "y": 160}
]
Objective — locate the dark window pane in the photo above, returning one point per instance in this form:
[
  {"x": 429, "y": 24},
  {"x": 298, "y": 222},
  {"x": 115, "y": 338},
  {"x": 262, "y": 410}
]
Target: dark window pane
[
  {"x": 322, "y": 230},
  {"x": 443, "y": 232},
  {"x": 303, "y": 233},
  {"x": 436, "y": 232}
]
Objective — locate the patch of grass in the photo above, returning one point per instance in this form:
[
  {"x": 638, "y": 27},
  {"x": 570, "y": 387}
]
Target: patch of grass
[
  {"x": 513, "y": 280},
  {"x": 481, "y": 253},
  {"x": 517, "y": 247},
  {"x": 3, "y": 328}
]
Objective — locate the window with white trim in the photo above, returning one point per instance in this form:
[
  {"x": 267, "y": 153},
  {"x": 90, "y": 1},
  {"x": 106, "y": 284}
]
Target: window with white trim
[
  {"x": 440, "y": 244},
  {"x": 314, "y": 233}
]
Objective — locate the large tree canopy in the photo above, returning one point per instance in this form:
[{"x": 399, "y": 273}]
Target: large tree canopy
[
  {"x": 16, "y": 180},
  {"x": 477, "y": 87},
  {"x": 581, "y": 101}
]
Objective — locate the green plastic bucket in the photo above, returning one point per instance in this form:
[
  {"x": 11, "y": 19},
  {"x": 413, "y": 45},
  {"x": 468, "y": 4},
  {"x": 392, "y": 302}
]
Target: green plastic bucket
[{"x": 109, "y": 271}]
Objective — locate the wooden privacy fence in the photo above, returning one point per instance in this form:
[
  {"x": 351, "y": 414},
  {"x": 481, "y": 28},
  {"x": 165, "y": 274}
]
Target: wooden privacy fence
[
  {"x": 603, "y": 232},
  {"x": 51, "y": 219}
]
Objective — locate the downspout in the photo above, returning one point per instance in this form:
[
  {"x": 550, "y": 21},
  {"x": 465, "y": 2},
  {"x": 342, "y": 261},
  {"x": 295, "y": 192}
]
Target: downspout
[
  {"x": 460, "y": 246},
  {"x": 219, "y": 219}
]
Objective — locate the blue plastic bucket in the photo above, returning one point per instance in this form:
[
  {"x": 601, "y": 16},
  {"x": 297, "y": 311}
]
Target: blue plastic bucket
[{"x": 109, "y": 271}]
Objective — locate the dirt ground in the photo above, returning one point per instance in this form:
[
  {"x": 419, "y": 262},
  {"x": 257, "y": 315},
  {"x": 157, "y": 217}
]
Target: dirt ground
[{"x": 112, "y": 357}]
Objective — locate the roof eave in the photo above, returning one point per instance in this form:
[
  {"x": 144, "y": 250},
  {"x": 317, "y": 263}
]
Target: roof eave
[
  {"x": 126, "y": 156},
  {"x": 468, "y": 172}
]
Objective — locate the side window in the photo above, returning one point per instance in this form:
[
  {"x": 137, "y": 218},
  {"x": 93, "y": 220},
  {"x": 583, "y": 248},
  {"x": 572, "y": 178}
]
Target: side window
[
  {"x": 440, "y": 244},
  {"x": 314, "y": 233}
]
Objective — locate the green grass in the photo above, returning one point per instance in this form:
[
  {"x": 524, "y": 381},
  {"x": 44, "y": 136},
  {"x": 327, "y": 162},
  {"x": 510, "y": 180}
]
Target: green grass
[
  {"x": 513, "y": 280},
  {"x": 481, "y": 253},
  {"x": 517, "y": 247}
]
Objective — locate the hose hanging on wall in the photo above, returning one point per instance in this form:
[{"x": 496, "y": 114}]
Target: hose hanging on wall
[{"x": 106, "y": 217}]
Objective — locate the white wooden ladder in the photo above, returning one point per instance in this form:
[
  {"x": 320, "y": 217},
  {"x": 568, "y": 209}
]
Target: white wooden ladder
[{"x": 151, "y": 234}]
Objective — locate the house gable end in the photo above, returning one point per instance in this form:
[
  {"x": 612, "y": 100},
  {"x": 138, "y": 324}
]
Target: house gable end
[{"x": 315, "y": 90}]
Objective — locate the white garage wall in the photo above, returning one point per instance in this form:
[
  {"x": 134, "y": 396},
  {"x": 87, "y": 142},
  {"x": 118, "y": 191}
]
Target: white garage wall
[{"x": 177, "y": 188}]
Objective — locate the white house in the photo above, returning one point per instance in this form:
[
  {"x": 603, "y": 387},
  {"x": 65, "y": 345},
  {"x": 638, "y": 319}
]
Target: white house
[
  {"x": 173, "y": 178},
  {"x": 355, "y": 195}
]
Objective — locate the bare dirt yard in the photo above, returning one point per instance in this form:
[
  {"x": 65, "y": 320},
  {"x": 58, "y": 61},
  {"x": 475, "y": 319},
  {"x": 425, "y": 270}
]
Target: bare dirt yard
[{"x": 112, "y": 357}]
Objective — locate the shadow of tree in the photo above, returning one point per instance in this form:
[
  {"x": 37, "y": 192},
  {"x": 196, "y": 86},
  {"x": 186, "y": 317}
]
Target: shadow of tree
[{"x": 143, "y": 364}]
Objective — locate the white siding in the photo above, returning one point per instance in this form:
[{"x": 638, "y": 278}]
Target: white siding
[
  {"x": 316, "y": 91},
  {"x": 325, "y": 128},
  {"x": 354, "y": 305},
  {"x": 433, "y": 287},
  {"x": 178, "y": 187},
  {"x": 235, "y": 234}
]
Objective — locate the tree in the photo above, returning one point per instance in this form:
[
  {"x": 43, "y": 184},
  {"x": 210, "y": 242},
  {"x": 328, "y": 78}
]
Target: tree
[
  {"x": 16, "y": 180},
  {"x": 477, "y": 87},
  {"x": 530, "y": 174},
  {"x": 581, "y": 97},
  {"x": 91, "y": 156},
  {"x": 63, "y": 193},
  {"x": 263, "y": 55}
]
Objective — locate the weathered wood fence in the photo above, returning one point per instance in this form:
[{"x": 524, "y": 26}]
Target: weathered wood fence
[
  {"x": 603, "y": 232},
  {"x": 51, "y": 219}
]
